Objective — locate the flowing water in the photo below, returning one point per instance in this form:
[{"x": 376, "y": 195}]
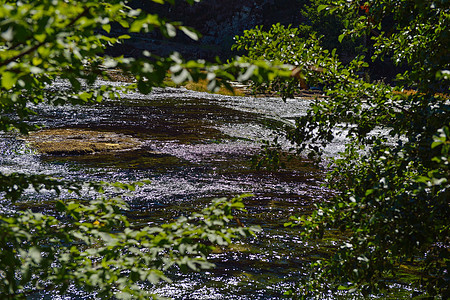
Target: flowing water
[{"x": 195, "y": 147}]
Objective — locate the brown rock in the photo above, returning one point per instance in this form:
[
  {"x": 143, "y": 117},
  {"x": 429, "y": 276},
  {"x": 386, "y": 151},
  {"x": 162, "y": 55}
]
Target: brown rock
[{"x": 79, "y": 141}]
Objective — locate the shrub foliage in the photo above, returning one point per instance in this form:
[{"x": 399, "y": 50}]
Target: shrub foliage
[{"x": 392, "y": 180}]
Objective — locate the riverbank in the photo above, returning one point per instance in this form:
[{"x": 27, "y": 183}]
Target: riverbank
[{"x": 237, "y": 88}]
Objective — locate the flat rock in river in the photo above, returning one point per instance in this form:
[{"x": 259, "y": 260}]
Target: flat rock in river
[{"x": 80, "y": 141}]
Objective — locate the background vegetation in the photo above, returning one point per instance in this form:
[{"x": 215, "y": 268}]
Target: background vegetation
[
  {"x": 392, "y": 180},
  {"x": 89, "y": 243}
]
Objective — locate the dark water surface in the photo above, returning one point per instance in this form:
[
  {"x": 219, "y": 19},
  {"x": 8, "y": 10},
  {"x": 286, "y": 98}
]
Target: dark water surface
[{"x": 196, "y": 147}]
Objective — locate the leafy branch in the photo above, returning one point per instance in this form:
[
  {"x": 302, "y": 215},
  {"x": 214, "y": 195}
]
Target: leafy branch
[{"x": 35, "y": 47}]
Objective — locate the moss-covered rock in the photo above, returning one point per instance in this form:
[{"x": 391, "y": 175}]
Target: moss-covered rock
[{"x": 79, "y": 141}]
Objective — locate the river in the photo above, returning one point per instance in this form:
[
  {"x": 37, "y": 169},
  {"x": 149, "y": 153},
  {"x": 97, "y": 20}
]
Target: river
[{"x": 195, "y": 147}]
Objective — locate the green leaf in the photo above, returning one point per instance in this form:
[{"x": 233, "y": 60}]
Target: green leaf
[
  {"x": 9, "y": 79},
  {"x": 181, "y": 77},
  {"x": 8, "y": 35},
  {"x": 248, "y": 73},
  {"x": 322, "y": 7},
  {"x": 171, "y": 30},
  {"x": 369, "y": 192},
  {"x": 137, "y": 25},
  {"x": 190, "y": 33},
  {"x": 191, "y": 265},
  {"x": 443, "y": 75},
  {"x": 106, "y": 27},
  {"x": 35, "y": 254}
]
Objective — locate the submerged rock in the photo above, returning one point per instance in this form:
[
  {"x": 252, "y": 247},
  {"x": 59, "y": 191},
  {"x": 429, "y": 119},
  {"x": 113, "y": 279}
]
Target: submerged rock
[{"x": 80, "y": 141}]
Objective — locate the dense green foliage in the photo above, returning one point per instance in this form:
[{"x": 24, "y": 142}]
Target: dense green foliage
[
  {"x": 94, "y": 247},
  {"x": 309, "y": 47},
  {"x": 329, "y": 27},
  {"x": 90, "y": 244},
  {"x": 392, "y": 181},
  {"x": 287, "y": 45}
]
